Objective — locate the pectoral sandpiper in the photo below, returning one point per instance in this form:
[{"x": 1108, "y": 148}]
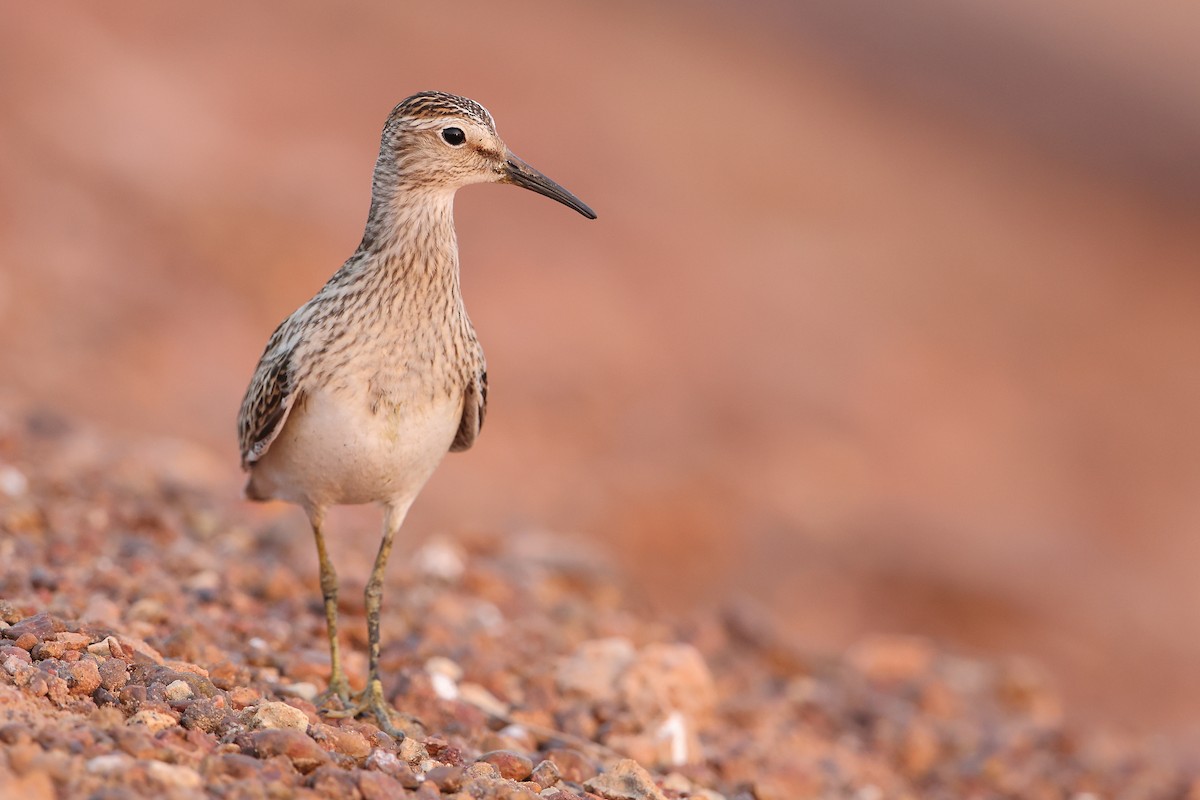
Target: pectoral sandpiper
[{"x": 364, "y": 388}]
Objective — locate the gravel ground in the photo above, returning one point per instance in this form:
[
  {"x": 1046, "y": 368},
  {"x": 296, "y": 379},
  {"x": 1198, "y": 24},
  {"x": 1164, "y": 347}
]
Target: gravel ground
[{"x": 156, "y": 643}]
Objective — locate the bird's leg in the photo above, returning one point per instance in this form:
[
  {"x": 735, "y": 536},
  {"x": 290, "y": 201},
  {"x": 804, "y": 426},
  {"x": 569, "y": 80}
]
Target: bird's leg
[
  {"x": 373, "y": 699},
  {"x": 339, "y": 687}
]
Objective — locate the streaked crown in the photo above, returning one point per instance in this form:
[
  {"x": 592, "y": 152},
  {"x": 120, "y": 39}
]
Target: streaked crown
[{"x": 433, "y": 107}]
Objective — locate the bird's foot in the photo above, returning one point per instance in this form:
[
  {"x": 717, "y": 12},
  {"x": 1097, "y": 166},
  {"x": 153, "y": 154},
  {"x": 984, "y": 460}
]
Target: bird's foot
[
  {"x": 339, "y": 690},
  {"x": 370, "y": 700}
]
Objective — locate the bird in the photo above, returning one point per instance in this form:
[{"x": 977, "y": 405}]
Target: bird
[{"x": 363, "y": 389}]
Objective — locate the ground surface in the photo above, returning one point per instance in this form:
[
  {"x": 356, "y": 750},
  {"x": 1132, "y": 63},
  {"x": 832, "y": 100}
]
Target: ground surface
[
  {"x": 889, "y": 317},
  {"x": 154, "y": 643}
]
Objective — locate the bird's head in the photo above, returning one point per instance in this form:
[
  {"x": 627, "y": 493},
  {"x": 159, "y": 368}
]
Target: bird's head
[{"x": 439, "y": 142}]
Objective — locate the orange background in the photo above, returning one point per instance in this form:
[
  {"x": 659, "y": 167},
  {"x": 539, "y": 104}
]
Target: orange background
[{"x": 890, "y": 321}]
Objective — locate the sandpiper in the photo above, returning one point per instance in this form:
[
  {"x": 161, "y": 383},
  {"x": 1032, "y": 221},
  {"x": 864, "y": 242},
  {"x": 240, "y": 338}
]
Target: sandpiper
[{"x": 364, "y": 388}]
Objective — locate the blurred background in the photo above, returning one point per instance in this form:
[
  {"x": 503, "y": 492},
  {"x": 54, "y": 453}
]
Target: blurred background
[{"x": 890, "y": 320}]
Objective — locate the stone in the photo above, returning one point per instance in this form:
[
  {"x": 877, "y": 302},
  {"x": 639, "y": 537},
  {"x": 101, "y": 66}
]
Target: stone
[
  {"x": 572, "y": 765},
  {"x": 296, "y": 746},
  {"x": 47, "y": 649},
  {"x": 378, "y": 786},
  {"x": 153, "y": 720},
  {"x": 625, "y": 780},
  {"x": 73, "y": 641},
  {"x": 177, "y": 691},
  {"x": 593, "y": 669},
  {"x": 335, "y": 782},
  {"x": 41, "y": 626},
  {"x": 478, "y": 696},
  {"x": 481, "y": 770},
  {"x": 244, "y": 696},
  {"x": 83, "y": 677},
  {"x": 175, "y": 776},
  {"x": 30, "y": 786},
  {"x": 545, "y": 774},
  {"x": 513, "y": 766},
  {"x": 206, "y": 714},
  {"x": 109, "y": 763},
  {"x": 279, "y": 716},
  {"x": 413, "y": 752},
  {"x": 351, "y": 743},
  {"x": 114, "y": 674},
  {"x": 447, "y": 779},
  {"x": 668, "y": 677}
]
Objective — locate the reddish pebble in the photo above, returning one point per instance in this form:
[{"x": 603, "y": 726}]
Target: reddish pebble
[
  {"x": 40, "y": 626},
  {"x": 351, "y": 743},
  {"x": 16, "y": 652},
  {"x": 243, "y": 696},
  {"x": 74, "y": 641},
  {"x": 83, "y": 677},
  {"x": 335, "y": 782},
  {"x": 572, "y": 765},
  {"x": 114, "y": 674},
  {"x": 545, "y": 774},
  {"x": 378, "y": 786},
  {"x": 447, "y": 779},
  {"x": 299, "y": 748},
  {"x": 513, "y": 766}
]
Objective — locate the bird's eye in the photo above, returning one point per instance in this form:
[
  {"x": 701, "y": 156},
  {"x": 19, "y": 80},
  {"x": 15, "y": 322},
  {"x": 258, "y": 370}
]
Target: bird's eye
[{"x": 454, "y": 136}]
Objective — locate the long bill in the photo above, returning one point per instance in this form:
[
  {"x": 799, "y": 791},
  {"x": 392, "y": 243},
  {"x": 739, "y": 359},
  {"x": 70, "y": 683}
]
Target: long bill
[{"x": 519, "y": 173}]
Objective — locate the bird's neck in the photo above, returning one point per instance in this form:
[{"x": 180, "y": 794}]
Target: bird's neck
[
  {"x": 408, "y": 258},
  {"x": 412, "y": 221}
]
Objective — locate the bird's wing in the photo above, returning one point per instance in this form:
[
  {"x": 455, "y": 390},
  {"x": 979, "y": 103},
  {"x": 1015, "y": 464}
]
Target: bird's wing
[
  {"x": 474, "y": 410},
  {"x": 269, "y": 397}
]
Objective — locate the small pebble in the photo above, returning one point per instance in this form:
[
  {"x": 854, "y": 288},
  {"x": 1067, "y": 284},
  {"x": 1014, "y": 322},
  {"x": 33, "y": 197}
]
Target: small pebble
[
  {"x": 175, "y": 776},
  {"x": 153, "y": 720},
  {"x": 303, "y": 689},
  {"x": 513, "y": 766},
  {"x": 279, "y": 716},
  {"x": 545, "y": 774},
  {"x": 625, "y": 780},
  {"x": 299, "y": 748},
  {"x": 108, "y": 764},
  {"x": 573, "y": 765},
  {"x": 378, "y": 786},
  {"x": 177, "y": 691},
  {"x": 12, "y": 481},
  {"x": 447, "y": 779},
  {"x": 413, "y": 752},
  {"x": 481, "y": 698}
]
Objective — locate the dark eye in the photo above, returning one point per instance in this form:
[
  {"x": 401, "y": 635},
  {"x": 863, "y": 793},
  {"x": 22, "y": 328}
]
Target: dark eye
[{"x": 454, "y": 136}]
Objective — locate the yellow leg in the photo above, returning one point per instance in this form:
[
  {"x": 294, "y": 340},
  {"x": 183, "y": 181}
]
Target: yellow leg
[
  {"x": 338, "y": 685},
  {"x": 373, "y": 700}
]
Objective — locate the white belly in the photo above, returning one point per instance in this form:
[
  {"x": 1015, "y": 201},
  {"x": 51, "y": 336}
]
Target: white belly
[{"x": 334, "y": 449}]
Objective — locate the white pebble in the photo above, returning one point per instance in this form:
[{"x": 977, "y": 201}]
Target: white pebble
[
  {"x": 177, "y": 690},
  {"x": 481, "y": 698},
  {"x": 174, "y": 775},
  {"x": 674, "y": 730},
  {"x": 444, "y": 686},
  {"x": 302, "y": 689},
  {"x": 13, "y": 482},
  {"x": 281, "y": 716},
  {"x": 441, "y": 558},
  {"x": 107, "y": 764}
]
